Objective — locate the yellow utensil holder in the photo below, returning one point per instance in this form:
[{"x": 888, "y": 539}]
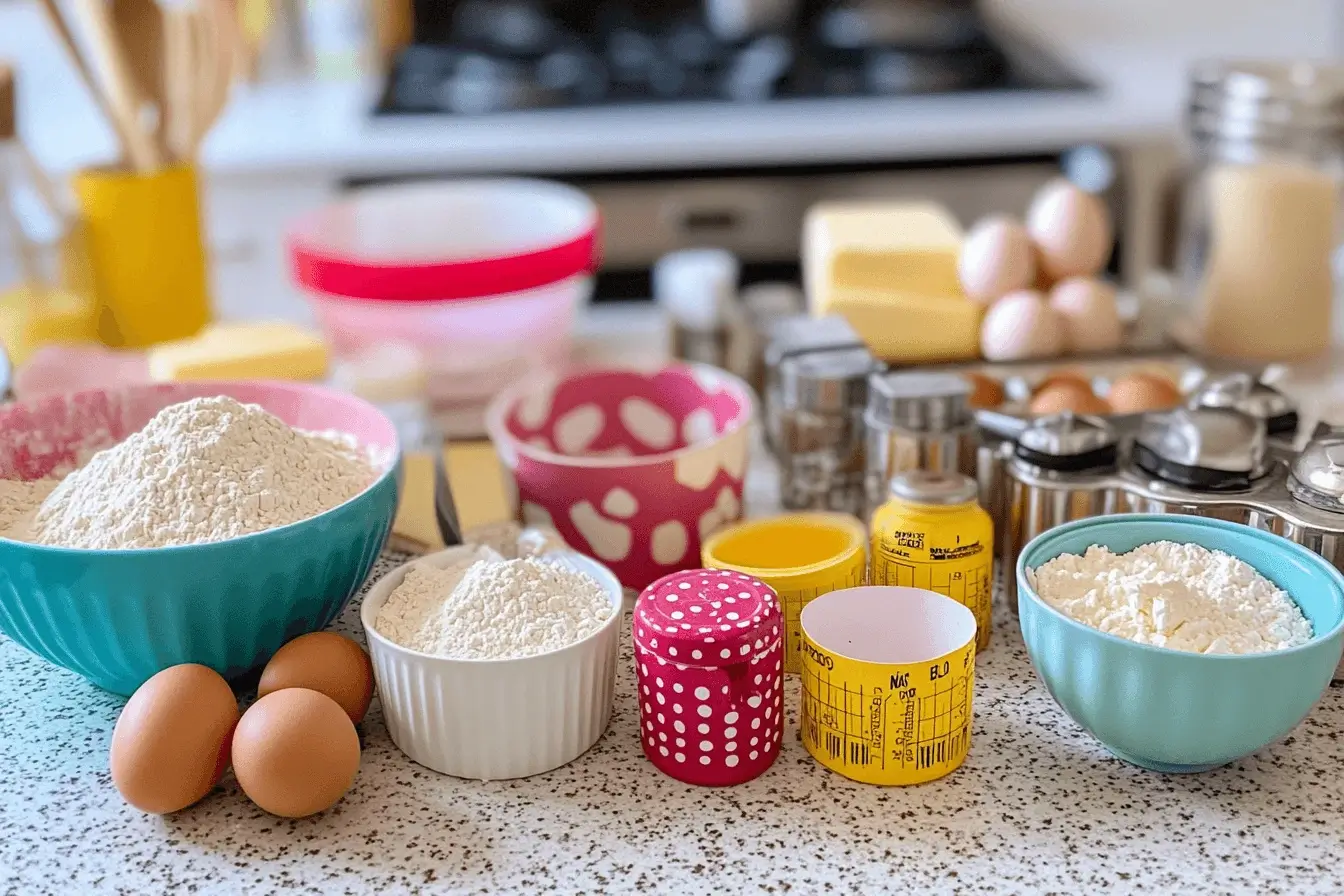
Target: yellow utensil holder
[
  {"x": 801, "y": 556},
  {"x": 146, "y": 255}
]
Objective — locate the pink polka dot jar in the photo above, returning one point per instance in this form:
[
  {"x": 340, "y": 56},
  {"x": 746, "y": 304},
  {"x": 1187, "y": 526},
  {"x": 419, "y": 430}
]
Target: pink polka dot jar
[
  {"x": 709, "y": 664},
  {"x": 634, "y": 468}
]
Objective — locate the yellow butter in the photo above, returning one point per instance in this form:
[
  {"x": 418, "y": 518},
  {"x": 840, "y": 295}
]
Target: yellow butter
[
  {"x": 30, "y": 320},
  {"x": 907, "y": 328},
  {"x": 478, "y": 490},
  {"x": 898, "y": 246},
  {"x": 265, "y": 350}
]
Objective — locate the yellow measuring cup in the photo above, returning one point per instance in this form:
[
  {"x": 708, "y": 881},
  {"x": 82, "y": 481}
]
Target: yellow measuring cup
[
  {"x": 801, "y": 556},
  {"x": 888, "y": 674}
]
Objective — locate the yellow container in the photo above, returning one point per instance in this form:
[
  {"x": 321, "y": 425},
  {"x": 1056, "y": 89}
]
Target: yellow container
[
  {"x": 801, "y": 556},
  {"x": 888, "y": 675},
  {"x": 30, "y": 320},
  {"x": 931, "y": 534},
  {"x": 146, "y": 255}
]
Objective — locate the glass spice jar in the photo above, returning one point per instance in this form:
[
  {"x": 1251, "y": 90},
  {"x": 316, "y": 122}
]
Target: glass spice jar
[{"x": 1259, "y": 214}]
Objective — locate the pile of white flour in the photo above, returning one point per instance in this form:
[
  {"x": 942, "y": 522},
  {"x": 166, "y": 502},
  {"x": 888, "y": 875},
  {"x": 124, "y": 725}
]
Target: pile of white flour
[
  {"x": 204, "y": 470},
  {"x": 1181, "y": 596},
  {"x": 492, "y": 608}
]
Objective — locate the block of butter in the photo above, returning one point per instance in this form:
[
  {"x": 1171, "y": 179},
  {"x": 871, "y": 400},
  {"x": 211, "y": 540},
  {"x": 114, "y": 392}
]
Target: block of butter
[
  {"x": 273, "y": 350},
  {"x": 908, "y": 328},
  {"x": 908, "y": 247},
  {"x": 477, "y": 481}
]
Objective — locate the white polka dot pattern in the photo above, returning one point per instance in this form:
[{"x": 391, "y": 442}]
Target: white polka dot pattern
[{"x": 708, "y": 647}]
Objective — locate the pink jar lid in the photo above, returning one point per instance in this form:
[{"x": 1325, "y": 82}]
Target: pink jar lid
[{"x": 707, "y": 617}]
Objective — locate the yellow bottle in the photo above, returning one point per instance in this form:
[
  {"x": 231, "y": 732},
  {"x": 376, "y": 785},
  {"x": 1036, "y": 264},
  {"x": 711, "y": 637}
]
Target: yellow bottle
[{"x": 931, "y": 534}]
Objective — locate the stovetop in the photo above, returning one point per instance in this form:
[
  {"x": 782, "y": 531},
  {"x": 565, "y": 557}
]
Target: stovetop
[{"x": 474, "y": 57}]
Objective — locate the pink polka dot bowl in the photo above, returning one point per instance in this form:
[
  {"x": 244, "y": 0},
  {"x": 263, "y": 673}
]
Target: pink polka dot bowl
[
  {"x": 709, "y": 670},
  {"x": 633, "y": 467}
]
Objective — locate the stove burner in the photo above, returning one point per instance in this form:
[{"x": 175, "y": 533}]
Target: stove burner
[{"x": 483, "y": 56}]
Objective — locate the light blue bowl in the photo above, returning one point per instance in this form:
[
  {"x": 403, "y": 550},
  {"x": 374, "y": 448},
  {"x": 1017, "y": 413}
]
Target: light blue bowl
[
  {"x": 1169, "y": 710},
  {"x": 118, "y": 617}
]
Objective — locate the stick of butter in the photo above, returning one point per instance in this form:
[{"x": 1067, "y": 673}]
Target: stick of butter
[
  {"x": 478, "y": 487},
  {"x": 908, "y": 328},
  {"x": 242, "y": 350},
  {"x": 906, "y": 247}
]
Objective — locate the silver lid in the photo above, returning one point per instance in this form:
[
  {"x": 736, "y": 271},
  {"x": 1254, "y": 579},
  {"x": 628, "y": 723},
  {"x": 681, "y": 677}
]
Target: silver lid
[
  {"x": 802, "y": 333},
  {"x": 1243, "y": 392},
  {"x": 1277, "y": 103},
  {"x": 1221, "y": 440},
  {"x": 826, "y": 381},
  {"x": 1318, "y": 474},
  {"x": 921, "y": 402},
  {"x": 929, "y": 487},
  {"x": 1067, "y": 435}
]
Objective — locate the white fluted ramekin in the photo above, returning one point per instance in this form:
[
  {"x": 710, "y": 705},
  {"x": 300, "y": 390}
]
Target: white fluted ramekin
[{"x": 496, "y": 719}]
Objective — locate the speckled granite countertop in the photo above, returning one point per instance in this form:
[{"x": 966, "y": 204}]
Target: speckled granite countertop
[{"x": 1038, "y": 807}]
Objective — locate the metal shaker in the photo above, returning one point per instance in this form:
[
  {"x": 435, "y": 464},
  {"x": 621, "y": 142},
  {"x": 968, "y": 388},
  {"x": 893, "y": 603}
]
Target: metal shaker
[
  {"x": 1262, "y": 401},
  {"x": 793, "y": 337},
  {"x": 1062, "y": 469},
  {"x": 1316, "y": 487},
  {"x": 822, "y": 397},
  {"x": 917, "y": 421}
]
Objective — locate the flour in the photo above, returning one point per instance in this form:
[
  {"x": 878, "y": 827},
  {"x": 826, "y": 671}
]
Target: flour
[
  {"x": 492, "y": 609},
  {"x": 204, "y": 470},
  {"x": 1180, "y": 596}
]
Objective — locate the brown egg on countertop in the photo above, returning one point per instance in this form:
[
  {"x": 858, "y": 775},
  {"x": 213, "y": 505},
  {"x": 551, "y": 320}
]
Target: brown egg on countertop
[
  {"x": 1065, "y": 395},
  {"x": 986, "y": 392},
  {"x": 327, "y": 663},
  {"x": 1139, "y": 392},
  {"x": 1070, "y": 377},
  {"x": 295, "y": 753},
  {"x": 171, "y": 741}
]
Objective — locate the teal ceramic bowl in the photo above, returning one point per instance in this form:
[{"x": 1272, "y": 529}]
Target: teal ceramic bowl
[
  {"x": 118, "y": 617},
  {"x": 1168, "y": 710}
]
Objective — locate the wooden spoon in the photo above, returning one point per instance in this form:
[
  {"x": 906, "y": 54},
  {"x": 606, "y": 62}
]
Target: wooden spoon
[{"x": 140, "y": 28}]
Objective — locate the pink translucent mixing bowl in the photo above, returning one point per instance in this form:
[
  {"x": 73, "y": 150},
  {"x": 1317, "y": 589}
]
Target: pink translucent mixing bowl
[{"x": 632, "y": 467}]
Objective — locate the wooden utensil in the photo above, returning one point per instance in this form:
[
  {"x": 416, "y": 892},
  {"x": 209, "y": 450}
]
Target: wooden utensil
[
  {"x": 200, "y": 47},
  {"x": 100, "y": 98},
  {"x": 124, "y": 99},
  {"x": 140, "y": 29}
]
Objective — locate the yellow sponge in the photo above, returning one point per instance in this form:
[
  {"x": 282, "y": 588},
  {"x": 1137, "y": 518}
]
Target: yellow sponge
[{"x": 265, "y": 350}]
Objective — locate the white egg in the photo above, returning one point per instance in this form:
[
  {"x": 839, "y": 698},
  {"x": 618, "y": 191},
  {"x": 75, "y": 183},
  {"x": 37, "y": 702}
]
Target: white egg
[
  {"x": 1087, "y": 309},
  {"x": 996, "y": 258},
  {"x": 1021, "y": 326},
  {"x": 1071, "y": 231}
]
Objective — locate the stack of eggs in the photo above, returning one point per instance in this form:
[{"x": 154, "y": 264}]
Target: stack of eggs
[{"x": 1039, "y": 280}]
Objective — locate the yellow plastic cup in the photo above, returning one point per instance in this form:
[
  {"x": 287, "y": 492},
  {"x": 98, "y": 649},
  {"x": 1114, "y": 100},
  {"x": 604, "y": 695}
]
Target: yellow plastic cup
[
  {"x": 801, "y": 556},
  {"x": 146, "y": 255}
]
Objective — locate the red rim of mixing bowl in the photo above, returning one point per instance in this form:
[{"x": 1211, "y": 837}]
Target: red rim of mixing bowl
[
  {"x": 322, "y": 267},
  {"x": 498, "y": 429}
]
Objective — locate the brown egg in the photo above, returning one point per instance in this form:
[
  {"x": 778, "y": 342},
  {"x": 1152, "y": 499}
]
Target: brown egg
[
  {"x": 1067, "y": 396},
  {"x": 986, "y": 392},
  {"x": 1071, "y": 377},
  {"x": 1139, "y": 392},
  {"x": 1091, "y": 319},
  {"x": 171, "y": 741},
  {"x": 295, "y": 752},
  {"x": 327, "y": 663}
]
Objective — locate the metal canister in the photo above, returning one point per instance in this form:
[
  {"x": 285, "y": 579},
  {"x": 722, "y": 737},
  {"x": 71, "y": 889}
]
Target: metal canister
[
  {"x": 918, "y": 421},
  {"x": 792, "y": 337},
  {"x": 1257, "y": 399},
  {"x": 821, "y": 433},
  {"x": 932, "y": 534},
  {"x": 1316, "y": 484},
  {"x": 1202, "y": 451},
  {"x": 1062, "y": 469}
]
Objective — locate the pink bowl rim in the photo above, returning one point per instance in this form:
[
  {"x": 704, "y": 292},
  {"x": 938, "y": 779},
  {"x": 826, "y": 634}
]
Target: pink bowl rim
[
  {"x": 391, "y": 464},
  {"x": 498, "y": 429}
]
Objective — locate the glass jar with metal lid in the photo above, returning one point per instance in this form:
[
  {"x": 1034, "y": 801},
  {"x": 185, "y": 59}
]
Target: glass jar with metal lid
[
  {"x": 917, "y": 421},
  {"x": 821, "y": 432},
  {"x": 932, "y": 534},
  {"x": 1258, "y": 220}
]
